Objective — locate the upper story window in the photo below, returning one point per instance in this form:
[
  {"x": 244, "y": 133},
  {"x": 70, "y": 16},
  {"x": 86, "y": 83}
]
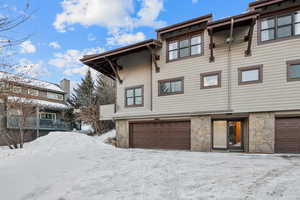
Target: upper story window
[
  {"x": 134, "y": 96},
  {"x": 33, "y": 92},
  {"x": 184, "y": 47},
  {"x": 278, "y": 27},
  {"x": 52, "y": 95},
  {"x": 293, "y": 70},
  {"x": 249, "y": 75},
  {"x": 211, "y": 80},
  {"x": 17, "y": 89},
  {"x": 171, "y": 86}
]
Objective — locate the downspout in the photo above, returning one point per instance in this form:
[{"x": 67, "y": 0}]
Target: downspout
[
  {"x": 151, "y": 82},
  {"x": 229, "y": 66}
]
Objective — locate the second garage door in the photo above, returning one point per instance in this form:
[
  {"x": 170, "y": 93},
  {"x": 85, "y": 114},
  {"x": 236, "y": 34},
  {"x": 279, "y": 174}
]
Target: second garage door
[
  {"x": 287, "y": 135},
  {"x": 161, "y": 135}
]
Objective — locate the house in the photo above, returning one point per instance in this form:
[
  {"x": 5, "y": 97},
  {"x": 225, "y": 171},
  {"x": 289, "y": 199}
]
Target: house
[
  {"x": 47, "y": 112},
  {"x": 211, "y": 85}
]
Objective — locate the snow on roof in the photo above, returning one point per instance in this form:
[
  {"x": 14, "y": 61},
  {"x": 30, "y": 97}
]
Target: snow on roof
[
  {"x": 30, "y": 81},
  {"x": 42, "y": 103}
]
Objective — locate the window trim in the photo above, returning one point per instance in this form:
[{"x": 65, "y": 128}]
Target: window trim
[
  {"x": 275, "y": 16},
  {"x": 255, "y": 67},
  {"x": 289, "y": 65},
  {"x": 171, "y": 80},
  {"x": 203, "y": 75},
  {"x": 182, "y": 37},
  {"x": 133, "y": 88}
]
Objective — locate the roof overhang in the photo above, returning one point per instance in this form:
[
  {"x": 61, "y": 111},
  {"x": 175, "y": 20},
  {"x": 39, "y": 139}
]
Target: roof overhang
[
  {"x": 263, "y": 3},
  {"x": 239, "y": 20},
  {"x": 100, "y": 63},
  {"x": 199, "y": 20}
]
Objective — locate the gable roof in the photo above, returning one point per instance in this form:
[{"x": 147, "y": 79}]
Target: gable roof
[{"x": 30, "y": 82}]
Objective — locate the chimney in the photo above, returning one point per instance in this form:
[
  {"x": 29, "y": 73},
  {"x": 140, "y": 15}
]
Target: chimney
[{"x": 65, "y": 85}]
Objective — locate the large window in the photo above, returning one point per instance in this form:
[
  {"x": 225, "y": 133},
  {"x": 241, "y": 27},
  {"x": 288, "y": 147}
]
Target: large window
[
  {"x": 282, "y": 26},
  {"x": 17, "y": 89},
  {"x": 293, "y": 70},
  {"x": 171, "y": 86},
  {"x": 184, "y": 47},
  {"x": 211, "y": 80},
  {"x": 134, "y": 96},
  {"x": 55, "y": 96},
  {"x": 249, "y": 75}
]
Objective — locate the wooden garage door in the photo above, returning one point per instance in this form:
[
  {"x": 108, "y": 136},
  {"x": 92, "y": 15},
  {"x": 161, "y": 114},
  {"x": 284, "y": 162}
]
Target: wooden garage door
[
  {"x": 161, "y": 135},
  {"x": 287, "y": 135}
]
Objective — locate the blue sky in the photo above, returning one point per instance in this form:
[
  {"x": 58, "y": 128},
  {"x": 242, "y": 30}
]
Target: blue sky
[{"x": 64, "y": 30}]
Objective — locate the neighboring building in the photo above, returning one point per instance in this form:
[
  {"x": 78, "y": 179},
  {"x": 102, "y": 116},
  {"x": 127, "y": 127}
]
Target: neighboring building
[
  {"x": 49, "y": 100},
  {"x": 226, "y": 85}
]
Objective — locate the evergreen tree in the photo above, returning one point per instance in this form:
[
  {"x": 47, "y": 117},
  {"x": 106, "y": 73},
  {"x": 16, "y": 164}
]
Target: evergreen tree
[{"x": 84, "y": 94}]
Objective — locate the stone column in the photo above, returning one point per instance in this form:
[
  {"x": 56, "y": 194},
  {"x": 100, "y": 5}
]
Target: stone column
[
  {"x": 122, "y": 128},
  {"x": 261, "y": 132},
  {"x": 201, "y": 134}
]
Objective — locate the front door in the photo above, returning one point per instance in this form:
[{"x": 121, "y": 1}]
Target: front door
[{"x": 228, "y": 134}]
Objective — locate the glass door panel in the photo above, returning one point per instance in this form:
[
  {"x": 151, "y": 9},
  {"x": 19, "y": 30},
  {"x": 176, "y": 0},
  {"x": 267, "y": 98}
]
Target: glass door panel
[
  {"x": 235, "y": 134},
  {"x": 220, "y": 134}
]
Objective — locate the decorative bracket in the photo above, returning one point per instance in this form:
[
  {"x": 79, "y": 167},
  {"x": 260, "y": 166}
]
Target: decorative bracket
[
  {"x": 154, "y": 59},
  {"x": 211, "y": 46},
  {"x": 115, "y": 70},
  {"x": 250, "y": 37}
]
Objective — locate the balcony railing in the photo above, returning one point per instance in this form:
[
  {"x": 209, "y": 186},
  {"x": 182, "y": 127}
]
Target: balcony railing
[{"x": 44, "y": 124}]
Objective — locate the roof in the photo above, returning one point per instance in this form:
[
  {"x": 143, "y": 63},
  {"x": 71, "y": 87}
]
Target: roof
[
  {"x": 184, "y": 24},
  {"x": 122, "y": 50},
  {"x": 240, "y": 19},
  {"x": 100, "y": 64},
  {"x": 31, "y": 82},
  {"x": 261, "y": 3},
  {"x": 41, "y": 103}
]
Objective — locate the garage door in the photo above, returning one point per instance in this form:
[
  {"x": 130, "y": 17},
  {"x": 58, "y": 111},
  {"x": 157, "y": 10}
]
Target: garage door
[
  {"x": 161, "y": 135},
  {"x": 287, "y": 135}
]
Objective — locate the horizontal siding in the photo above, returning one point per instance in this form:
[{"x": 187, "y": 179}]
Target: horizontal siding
[
  {"x": 136, "y": 71},
  {"x": 275, "y": 93}
]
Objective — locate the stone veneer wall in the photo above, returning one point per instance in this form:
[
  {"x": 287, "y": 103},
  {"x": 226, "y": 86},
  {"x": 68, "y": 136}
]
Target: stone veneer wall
[
  {"x": 261, "y": 132},
  {"x": 122, "y": 128},
  {"x": 201, "y": 134}
]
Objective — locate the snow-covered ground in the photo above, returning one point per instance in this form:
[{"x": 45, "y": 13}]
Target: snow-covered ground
[{"x": 70, "y": 166}]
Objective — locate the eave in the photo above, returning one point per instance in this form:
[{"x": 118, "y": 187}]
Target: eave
[
  {"x": 181, "y": 25},
  {"x": 106, "y": 62}
]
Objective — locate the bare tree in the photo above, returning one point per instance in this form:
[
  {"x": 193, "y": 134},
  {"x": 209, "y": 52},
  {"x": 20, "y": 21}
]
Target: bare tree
[
  {"x": 90, "y": 115},
  {"x": 20, "y": 112}
]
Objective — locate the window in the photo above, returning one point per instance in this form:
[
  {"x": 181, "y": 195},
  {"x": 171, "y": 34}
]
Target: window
[
  {"x": 249, "y": 75},
  {"x": 48, "y": 116},
  {"x": 211, "y": 80},
  {"x": 293, "y": 70},
  {"x": 134, "y": 96},
  {"x": 52, "y": 95},
  {"x": 297, "y": 23},
  {"x": 185, "y": 47},
  {"x": 268, "y": 29},
  {"x": 170, "y": 86},
  {"x": 280, "y": 27},
  {"x": 33, "y": 92},
  {"x": 17, "y": 89}
]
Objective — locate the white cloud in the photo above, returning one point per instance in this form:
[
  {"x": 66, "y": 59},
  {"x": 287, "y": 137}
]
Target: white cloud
[
  {"x": 124, "y": 39},
  {"x": 91, "y": 37},
  {"x": 69, "y": 60},
  {"x": 54, "y": 45},
  {"x": 118, "y": 16},
  {"x": 27, "y": 47},
  {"x": 194, "y": 1},
  {"x": 27, "y": 68}
]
